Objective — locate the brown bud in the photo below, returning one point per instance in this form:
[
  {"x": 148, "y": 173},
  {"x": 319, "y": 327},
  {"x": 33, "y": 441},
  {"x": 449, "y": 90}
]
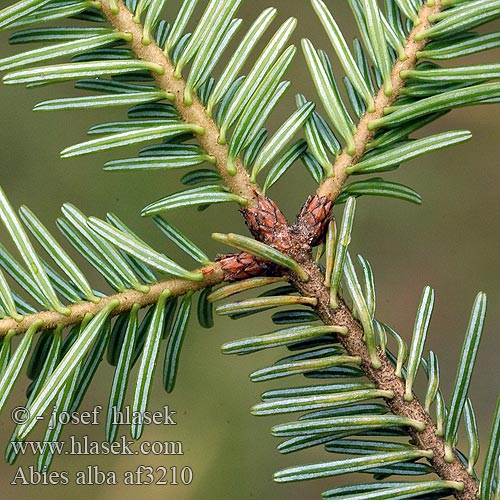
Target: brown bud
[
  {"x": 268, "y": 224},
  {"x": 243, "y": 265},
  {"x": 313, "y": 219}
]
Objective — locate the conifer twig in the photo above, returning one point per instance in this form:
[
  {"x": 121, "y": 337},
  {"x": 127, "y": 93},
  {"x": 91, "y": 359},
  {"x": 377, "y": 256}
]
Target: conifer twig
[
  {"x": 213, "y": 275},
  {"x": 332, "y": 186},
  {"x": 239, "y": 184},
  {"x": 385, "y": 378}
]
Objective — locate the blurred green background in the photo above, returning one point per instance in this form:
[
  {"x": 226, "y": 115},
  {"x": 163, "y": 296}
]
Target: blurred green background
[{"x": 451, "y": 242}]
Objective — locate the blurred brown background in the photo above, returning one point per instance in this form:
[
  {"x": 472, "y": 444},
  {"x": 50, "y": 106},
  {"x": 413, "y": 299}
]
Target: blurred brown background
[{"x": 451, "y": 242}]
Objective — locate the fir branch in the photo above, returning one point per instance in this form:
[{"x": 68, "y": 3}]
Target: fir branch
[
  {"x": 385, "y": 378},
  {"x": 332, "y": 186},
  {"x": 213, "y": 275},
  {"x": 123, "y": 20}
]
